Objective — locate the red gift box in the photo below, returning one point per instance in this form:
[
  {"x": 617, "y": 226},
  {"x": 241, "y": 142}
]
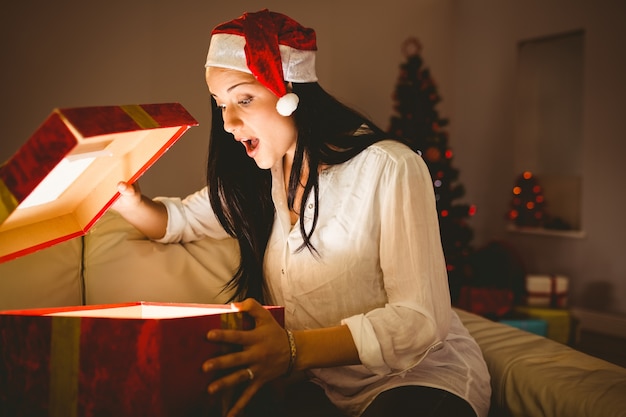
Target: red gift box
[
  {"x": 546, "y": 291},
  {"x": 486, "y": 301},
  {"x": 64, "y": 177},
  {"x": 131, "y": 359}
]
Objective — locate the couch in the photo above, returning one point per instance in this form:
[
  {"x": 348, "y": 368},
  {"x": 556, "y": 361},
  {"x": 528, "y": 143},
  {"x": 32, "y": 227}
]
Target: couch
[{"x": 112, "y": 263}]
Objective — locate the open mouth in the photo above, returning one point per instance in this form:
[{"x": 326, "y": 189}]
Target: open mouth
[{"x": 250, "y": 145}]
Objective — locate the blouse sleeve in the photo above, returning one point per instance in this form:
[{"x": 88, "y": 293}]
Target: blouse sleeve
[
  {"x": 191, "y": 218},
  {"x": 416, "y": 318}
]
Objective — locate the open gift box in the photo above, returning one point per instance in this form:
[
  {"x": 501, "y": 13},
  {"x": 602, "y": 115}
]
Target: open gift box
[
  {"x": 130, "y": 359},
  {"x": 64, "y": 177}
]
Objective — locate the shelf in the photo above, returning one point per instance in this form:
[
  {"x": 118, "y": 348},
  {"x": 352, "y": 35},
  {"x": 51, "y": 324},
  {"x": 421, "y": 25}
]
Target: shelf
[{"x": 540, "y": 231}]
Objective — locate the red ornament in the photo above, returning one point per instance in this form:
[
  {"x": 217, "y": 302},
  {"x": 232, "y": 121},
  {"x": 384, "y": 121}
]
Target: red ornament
[{"x": 432, "y": 154}]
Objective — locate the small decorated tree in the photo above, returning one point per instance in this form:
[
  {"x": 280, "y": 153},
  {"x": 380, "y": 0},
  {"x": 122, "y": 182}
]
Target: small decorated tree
[
  {"x": 417, "y": 120},
  {"x": 527, "y": 203}
]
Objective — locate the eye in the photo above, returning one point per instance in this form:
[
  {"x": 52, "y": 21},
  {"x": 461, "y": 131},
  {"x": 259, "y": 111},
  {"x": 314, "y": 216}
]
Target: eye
[{"x": 245, "y": 101}]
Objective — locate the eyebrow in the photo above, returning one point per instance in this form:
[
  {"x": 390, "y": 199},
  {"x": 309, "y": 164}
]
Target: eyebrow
[{"x": 232, "y": 87}]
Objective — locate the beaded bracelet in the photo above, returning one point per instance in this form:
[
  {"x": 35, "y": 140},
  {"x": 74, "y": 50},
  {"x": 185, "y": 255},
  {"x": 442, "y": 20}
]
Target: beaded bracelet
[{"x": 292, "y": 352}]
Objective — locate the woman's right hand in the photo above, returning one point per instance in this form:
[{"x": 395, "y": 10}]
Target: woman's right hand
[
  {"x": 146, "y": 215},
  {"x": 130, "y": 197}
]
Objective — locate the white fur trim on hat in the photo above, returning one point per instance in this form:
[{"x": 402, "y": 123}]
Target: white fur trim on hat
[{"x": 227, "y": 51}]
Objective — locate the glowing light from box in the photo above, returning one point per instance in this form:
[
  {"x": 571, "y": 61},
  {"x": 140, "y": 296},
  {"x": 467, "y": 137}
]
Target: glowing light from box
[
  {"x": 60, "y": 178},
  {"x": 142, "y": 311}
]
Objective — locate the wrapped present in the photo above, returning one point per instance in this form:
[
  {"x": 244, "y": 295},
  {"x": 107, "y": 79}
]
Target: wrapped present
[
  {"x": 486, "y": 301},
  {"x": 546, "y": 291},
  {"x": 131, "y": 359},
  {"x": 559, "y": 320},
  {"x": 64, "y": 177}
]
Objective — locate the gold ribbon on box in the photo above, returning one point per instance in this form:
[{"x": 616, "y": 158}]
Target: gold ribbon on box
[
  {"x": 8, "y": 202},
  {"x": 140, "y": 116},
  {"x": 64, "y": 366},
  {"x": 232, "y": 320}
]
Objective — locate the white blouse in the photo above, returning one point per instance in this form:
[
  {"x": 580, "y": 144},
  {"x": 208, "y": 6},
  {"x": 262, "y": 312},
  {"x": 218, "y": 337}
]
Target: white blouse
[{"x": 379, "y": 269}]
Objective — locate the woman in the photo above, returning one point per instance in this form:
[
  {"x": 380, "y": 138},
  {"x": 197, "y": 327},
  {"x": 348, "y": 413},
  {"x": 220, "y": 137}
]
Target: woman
[{"x": 335, "y": 222}]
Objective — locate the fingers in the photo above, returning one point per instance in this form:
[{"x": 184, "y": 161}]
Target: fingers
[
  {"x": 236, "y": 378},
  {"x": 255, "y": 310},
  {"x": 242, "y": 377},
  {"x": 130, "y": 197},
  {"x": 236, "y": 337},
  {"x": 249, "y": 305},
  {"x": 255, "y": 343},
  {"x": 123, "y": 187},
  {"x": 229, "y": 361},
  {"x": 243, "y": 400},
  {"x": 127, "y": 189},
  {"x": 261, "y": 358}
]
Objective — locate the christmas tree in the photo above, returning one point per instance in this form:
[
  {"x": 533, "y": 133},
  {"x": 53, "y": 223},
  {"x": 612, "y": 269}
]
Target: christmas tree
[
  {"x": 417, "y": 120},
  {"x": 527, "y": 204}
]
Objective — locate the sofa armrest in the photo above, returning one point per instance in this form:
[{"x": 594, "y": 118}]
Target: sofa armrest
[
  {"x": 535, "y": 376},
  {"x": 121, "y": 265}
]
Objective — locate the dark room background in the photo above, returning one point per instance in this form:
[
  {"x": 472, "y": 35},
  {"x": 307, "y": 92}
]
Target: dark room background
[{"x": 76, "y": 53}]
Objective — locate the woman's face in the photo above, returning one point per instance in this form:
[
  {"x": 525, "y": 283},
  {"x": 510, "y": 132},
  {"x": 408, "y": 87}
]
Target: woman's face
[{"x": 249, "y": 112}]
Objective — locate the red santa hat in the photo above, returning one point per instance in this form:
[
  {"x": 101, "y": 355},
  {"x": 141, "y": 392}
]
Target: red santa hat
[{"x": 272, "y": 47}]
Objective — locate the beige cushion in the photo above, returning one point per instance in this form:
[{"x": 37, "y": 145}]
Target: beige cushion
[
  {"x": 535, "y": 376},
  {"x": 47, "y": 278},
  {"x": 123, "y": 265}
]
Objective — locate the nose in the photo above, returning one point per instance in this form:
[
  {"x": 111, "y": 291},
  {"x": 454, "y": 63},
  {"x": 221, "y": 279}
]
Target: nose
[{"x": 232, "y": 121}]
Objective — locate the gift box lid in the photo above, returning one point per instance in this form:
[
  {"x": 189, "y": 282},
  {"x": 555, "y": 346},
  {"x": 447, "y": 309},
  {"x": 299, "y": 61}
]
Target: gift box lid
[{"x": 61, "y": 181}]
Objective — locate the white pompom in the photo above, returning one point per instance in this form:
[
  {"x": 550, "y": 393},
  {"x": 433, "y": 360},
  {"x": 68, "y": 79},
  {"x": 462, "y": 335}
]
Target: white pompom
[{"x": 287, "y": 104}]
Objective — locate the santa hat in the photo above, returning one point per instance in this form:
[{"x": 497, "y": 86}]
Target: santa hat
[{"x": 272, "y": 47}]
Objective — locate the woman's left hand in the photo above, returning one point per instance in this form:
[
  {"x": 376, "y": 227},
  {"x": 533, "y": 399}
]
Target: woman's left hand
[{"x": 264, "y": 357}]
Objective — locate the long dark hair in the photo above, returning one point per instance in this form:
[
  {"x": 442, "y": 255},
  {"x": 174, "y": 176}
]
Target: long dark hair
[{"x": 240, "y": 192}]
